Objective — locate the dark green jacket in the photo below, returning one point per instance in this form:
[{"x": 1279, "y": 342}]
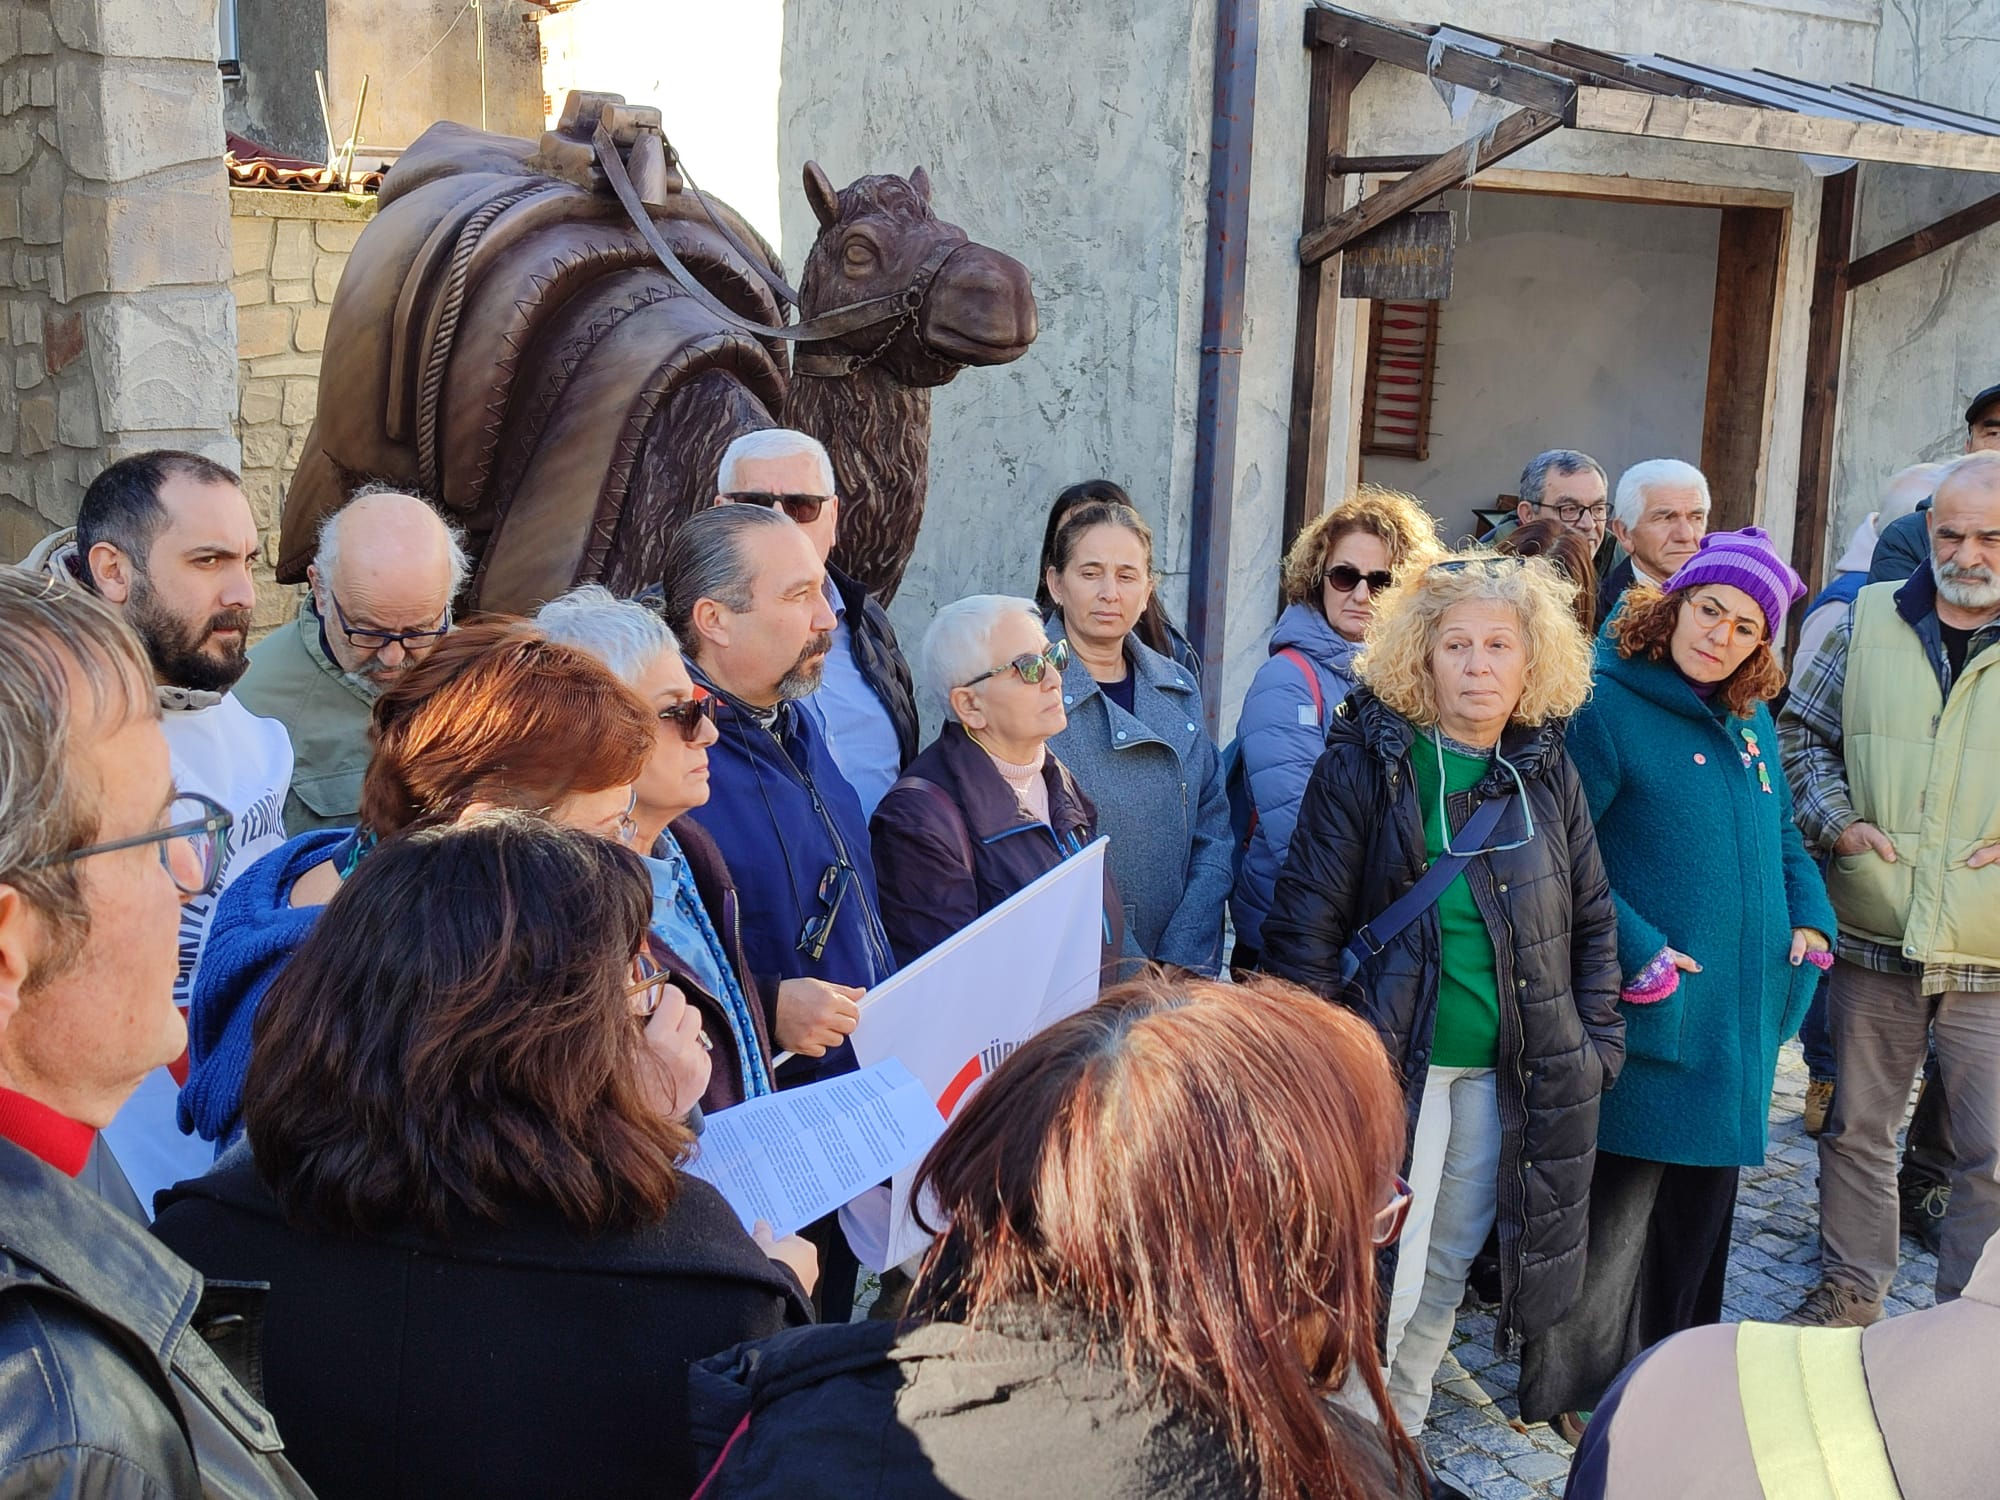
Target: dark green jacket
[{"x": 292, "y": 679}]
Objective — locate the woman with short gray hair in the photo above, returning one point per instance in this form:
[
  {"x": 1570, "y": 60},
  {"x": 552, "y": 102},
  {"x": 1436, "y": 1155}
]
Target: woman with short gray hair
[{"x": 987, "y": 809}]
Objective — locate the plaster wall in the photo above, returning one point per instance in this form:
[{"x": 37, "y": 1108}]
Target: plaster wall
[
  {"x": 279, "y": 43},
  {"x": 711, "y": 71},
  {"x": 423, "y": 61},
  {"x": 1524, "y": 363}
]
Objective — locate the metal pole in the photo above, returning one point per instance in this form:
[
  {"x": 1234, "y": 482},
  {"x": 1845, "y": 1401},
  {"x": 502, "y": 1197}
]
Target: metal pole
[{"x": 1231, "y": 132}]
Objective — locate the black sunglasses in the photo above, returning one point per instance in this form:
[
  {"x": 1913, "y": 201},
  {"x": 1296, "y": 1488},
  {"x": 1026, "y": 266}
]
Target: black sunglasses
[
  {"x": 688, "y": 716},
  {"x": 1347, "y": 578},
  {"x": 801, "y": 508},
  {"x": 818, "y": 927}
]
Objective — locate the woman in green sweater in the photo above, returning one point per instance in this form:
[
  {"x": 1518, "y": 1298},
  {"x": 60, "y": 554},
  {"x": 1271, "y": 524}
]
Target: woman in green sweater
[{"x": 1722, "y": 925}]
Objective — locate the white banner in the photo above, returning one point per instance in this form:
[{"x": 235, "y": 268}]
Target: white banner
[{"x": 955, "y": 1014}]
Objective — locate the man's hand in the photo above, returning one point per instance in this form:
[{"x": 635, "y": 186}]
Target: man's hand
[
  {"x": 1984, "y": 855},
  {"x": 814, "y": 1015},
  {"x": 1858, "y": 835}
]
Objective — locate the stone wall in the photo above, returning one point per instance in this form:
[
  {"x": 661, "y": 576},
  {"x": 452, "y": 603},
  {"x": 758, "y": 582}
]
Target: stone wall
[
  {"x": 119, "y": 331},
  {"x": 288, "y": 250}
]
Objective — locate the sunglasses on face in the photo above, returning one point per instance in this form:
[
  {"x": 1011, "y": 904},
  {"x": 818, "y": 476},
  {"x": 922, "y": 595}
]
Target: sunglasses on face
[
  {"x": 687, "y": 716},
  {"x": 1346, "y": 578},
  {"x": 1030, "y": 668},
  {"x": 801, "y": 508}
]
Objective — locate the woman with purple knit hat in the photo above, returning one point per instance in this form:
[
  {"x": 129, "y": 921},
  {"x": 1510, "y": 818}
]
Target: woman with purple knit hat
[{"x": 1723, "y": 927}]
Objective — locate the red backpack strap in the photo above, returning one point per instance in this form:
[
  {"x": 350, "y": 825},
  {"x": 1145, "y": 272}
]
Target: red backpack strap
[{"x": 1303, "y": 662}]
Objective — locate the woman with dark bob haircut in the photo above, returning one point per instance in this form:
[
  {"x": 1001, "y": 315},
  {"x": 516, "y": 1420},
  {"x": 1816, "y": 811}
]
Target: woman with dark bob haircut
[
  {"x": 495, "y": 715},
  {"x": 487, "y": 1274},
  {"x": 1160, "y": 1219}
]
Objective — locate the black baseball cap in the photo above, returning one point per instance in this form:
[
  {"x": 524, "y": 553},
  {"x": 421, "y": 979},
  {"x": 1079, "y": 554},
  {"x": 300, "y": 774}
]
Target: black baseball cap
[{"x": 1981, "y": 403}]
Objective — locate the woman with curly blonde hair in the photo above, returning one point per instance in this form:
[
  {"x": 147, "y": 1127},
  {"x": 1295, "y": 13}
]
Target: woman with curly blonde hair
[
  {"x": 1333, "y": 576},
  {"x": 1495, "y": 995}
]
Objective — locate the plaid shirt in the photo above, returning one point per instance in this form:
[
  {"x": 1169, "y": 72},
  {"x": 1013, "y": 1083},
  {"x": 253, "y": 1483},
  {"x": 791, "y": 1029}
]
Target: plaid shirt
[{"x": 1809, "y": 740}]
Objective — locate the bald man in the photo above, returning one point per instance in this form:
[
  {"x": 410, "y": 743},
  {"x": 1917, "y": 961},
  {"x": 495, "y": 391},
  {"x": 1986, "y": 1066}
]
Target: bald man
[{"x": 382, "y": 582}]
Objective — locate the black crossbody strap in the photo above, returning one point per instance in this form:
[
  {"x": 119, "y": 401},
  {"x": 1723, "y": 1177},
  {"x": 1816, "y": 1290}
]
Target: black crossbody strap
[{"x": 1370, "y": 938}]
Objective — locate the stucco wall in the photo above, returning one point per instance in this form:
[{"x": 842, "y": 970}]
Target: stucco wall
[
  {"x": 289, "y": 250},
  {"x": 1525, "y": 363},
  {"x": 113, "y": 248},
  {"x": 422, "y": 62}
]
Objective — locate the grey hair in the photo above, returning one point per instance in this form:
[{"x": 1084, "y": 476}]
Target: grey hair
[
  {"x": 326, "y": 551},
  {"x": 57, "y": 634},
  {"x": 956, "y": 647},
  {"x": 1906, "y": 487},
  {"x": 1565, "y": 461},
  {"x": 1637, "y": 481},
  {"x": 711, "y": 555},
  {"x": 771, "y": 442},
  {"x": 622, "y": 633}
]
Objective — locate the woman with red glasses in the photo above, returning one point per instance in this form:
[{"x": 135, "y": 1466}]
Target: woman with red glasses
[
  {"x": 1332, "y": 576},
  {"x": 1157, "y": 1265}
]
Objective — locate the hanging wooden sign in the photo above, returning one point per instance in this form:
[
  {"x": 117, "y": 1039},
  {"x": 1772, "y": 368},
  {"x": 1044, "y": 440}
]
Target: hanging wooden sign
[{"x": 1407, "y": 259}]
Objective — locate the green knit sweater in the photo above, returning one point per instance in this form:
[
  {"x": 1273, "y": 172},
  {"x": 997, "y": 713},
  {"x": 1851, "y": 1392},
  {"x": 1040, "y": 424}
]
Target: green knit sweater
[{"x": 1467, "y": 1034}]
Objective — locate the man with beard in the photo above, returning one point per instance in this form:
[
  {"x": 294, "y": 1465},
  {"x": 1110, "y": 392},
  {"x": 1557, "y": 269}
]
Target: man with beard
[
  {"x": 745, "y": 591},
  {"x": 167, "y": 539},
  {"x": 382, "y": 583},
  {"x": 1892, "y": 744}
]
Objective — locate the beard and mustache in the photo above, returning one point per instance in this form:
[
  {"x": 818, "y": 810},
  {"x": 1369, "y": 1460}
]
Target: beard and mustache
[
  {"x": 805, "y": 673},
  {"x": 1967, "y": 587},
  {"x": 185, "y": 654}
]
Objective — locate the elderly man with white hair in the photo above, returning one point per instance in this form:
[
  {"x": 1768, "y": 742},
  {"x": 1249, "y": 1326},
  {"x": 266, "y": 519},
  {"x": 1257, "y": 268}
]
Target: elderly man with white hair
[
  {"x": 987, "y": 809},
  {"x": 1659, "y": 516},
  {"x": 382, "y": 581},
  {"x": 864, "y": 703}
]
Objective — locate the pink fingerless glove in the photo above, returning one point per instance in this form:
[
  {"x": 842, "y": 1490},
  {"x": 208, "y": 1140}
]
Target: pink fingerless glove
[
  {"x": 1653, "y": 983},
  {"x": 1820, "y": 959}
]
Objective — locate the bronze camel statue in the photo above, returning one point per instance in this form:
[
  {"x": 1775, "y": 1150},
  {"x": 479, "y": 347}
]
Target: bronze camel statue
[{"x": 509, "y": 340}]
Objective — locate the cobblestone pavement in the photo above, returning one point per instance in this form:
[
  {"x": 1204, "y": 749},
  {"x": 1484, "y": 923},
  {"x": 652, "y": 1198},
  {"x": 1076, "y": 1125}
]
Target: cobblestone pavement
[{"x": 1474, "y": 1436}]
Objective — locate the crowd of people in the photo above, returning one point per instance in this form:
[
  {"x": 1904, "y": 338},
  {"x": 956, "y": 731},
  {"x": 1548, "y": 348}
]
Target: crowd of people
[{"x": 364, "y": 993}]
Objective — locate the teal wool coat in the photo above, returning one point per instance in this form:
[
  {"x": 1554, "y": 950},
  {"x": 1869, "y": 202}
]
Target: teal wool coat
[{"x": 1703, "y": 856}]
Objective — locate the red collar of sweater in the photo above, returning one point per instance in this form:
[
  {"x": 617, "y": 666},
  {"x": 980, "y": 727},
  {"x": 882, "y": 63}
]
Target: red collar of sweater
[{"x": 57, "y": 1139}]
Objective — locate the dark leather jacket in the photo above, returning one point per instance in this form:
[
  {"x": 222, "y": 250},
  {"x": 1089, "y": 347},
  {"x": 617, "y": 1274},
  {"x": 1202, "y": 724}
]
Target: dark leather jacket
[
  {"x": 1359, "y": 845},
  {"x": 880, "y": 660},
  {"x": 121, "y": 1373}
]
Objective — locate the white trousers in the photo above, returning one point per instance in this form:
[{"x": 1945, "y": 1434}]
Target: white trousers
[{"x": 1454, "y": 1176}]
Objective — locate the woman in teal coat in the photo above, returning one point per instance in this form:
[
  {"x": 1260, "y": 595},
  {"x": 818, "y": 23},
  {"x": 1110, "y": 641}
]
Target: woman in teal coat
[{"x": 1723, "y": 927}]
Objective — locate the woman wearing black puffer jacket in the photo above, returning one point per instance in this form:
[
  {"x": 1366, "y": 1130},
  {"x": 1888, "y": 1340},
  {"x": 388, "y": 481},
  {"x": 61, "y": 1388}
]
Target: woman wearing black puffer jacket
[{"x": 1499, "y": 1001}]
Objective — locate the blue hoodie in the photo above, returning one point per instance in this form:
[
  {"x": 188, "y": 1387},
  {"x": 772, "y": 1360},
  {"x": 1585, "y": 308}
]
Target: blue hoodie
[
  {"x": 1282, "y": 735},
  {"x": 253, "y": 934}
]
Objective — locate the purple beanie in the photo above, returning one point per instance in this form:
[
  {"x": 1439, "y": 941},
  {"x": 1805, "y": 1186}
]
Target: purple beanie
[{"x": 1746, "y": 560}]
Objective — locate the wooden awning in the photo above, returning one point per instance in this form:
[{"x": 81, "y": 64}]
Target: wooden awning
[{"x": 1561, "y": 84}]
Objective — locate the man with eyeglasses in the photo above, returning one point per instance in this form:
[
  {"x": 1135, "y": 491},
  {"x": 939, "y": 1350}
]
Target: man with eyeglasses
[
  {"x": 864, "y": 703},
  {"x": 117, "y": 1374},
  {"x": 1569, "y": 486},
  {"x": 382, "y": 585},
  {"x": 168, "y": 541}
]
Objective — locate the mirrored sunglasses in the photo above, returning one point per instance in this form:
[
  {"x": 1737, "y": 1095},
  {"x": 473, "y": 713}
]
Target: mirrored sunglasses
[{"x": 1030, "y": 668}]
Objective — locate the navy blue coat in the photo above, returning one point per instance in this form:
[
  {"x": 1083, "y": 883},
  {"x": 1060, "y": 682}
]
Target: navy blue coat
[{"x": 783, "y": 816}]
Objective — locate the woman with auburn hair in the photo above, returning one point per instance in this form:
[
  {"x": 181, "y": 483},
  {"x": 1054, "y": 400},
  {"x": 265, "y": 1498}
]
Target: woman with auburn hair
[
  {"x": 487, "y": 1273},
  {"x": 1719, "y": 909},
  {"x": 496, "y": 715},
  {"x": 1332, "y": 577},
  {"x": 1157, "y": 1263},
  {"x": 1565, "y": 547},
  {"x": 1444, "y": 881}
]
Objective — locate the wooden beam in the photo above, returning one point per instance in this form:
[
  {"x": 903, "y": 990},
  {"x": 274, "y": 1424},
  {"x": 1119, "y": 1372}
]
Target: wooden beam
[
  {"x": 1749, "y": 254},
  {"x": 1334, "y": 76},
  {"x": 1826, "y": 330},
  {"x": 1626, "y": 189},
  {"x": 1468, "y": 66},
  {"x": 1947, "y": 231},
  {"x": 1445, "y": 172},
  {"x": 1621, "y": 112}
]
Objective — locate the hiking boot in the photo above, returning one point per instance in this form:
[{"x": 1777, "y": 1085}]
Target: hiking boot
[
  {"x": 1924, "y": 1205},
  {"x": 1831, "y": 1305},
  {"x": 1819, "y": 1103}
]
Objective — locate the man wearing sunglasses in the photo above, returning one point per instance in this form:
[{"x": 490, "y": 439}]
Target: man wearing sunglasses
[
  {"x": 864, "y": 703},
  {"x": 168, "y": 541},
  {"x": 382, "y": 581},
  {"x": 114, "y": 1369}
]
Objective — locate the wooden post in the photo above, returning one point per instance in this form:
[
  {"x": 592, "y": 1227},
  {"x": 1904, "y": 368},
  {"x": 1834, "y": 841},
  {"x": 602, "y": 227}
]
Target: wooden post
[
  {"x": 1825, "y": 332},
  {"x": 1335, "y": 72},
  {"x": 1739, "y": 361}
]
